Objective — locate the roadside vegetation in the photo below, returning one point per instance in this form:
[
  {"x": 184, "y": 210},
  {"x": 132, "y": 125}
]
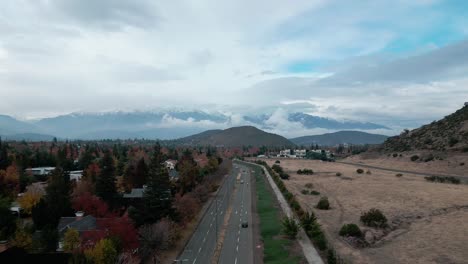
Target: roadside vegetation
[{"x": 276, "y": 247}]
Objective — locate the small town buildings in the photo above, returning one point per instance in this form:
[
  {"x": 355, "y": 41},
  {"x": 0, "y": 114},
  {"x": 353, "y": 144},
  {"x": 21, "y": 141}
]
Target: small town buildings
[
  {"x": 170, "y": 164},
  {"x": 300, "y": 153},
  {"x": 76, "y": 175}
]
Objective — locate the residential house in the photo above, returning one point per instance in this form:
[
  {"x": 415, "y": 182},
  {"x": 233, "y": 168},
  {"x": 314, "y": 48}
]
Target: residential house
[{"x": 40, "y": 171}]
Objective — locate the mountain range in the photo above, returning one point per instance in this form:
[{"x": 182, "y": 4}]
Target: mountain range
[
  {"x": 235, "y": 137},
  {"x": 168, "y": 124},
  {"x": 340, "y": 137}
]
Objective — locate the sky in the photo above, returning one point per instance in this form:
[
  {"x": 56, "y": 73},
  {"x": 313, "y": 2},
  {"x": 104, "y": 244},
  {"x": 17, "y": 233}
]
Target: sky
[{"x": 399, "y": 63}]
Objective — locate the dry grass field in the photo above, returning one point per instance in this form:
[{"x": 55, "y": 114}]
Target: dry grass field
[{"x": 429, "y": 221}]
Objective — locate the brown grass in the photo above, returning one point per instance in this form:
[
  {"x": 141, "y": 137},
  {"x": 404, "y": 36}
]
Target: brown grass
[{"x": 428, "y": 219}]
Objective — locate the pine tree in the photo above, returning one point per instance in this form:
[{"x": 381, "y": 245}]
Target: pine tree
[
  {"x": 57, "y": 196},
  {"x": 141, "y": 171},
  {"x": 105, "y": 183},
  {"x": 157, "y": 196}
]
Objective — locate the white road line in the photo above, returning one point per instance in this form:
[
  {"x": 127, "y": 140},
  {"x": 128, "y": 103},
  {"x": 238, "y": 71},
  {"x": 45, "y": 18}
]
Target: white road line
[
  {"x": 199, "y": 250},
  {"x": 237, "y": 248},
  {"x": 235, "y": 262},
  {"x": 195, "y": 260}
]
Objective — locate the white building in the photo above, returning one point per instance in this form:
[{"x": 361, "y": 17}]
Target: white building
[
  {"x": 39, "y": 171},
  {"x": 300, "y": 153},
  {"x": 170, "y": 164},
  {"x": 285, "y": 153},
  {"x": 76, "y": 175}
]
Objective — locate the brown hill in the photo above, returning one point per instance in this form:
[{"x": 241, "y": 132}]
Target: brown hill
[
  {"x": 449, "y": 133},
  {"x": 236, "y": 137}
]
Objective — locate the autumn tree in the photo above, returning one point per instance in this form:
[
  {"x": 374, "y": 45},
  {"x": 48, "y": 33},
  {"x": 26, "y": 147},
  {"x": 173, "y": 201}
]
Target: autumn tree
[
  {"x": 105, "y": 183},
  {"x": 156, "y": 237},
  {"x": 188, "y": 171},
  {"x": 104, "y": 252},
  {"x": 22, "y": 239},
  {"x": 186, "y": 206},
  {"x": 71, "y": 240},
  {"x": 91, "y": 205},
  {"x": 30, "y": 198}
]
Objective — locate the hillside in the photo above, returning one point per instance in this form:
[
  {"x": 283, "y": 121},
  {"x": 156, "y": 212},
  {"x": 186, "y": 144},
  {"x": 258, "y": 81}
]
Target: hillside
[
  {"x": 340, "y": 137},
  {"x": 235, "y": 137},
  {"x": 449, "y": 133},
  {"x": 28, "y": 137}
]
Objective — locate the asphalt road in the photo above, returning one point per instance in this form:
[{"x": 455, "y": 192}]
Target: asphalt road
[
  {"x": 201, "y": 245},
  {"x": 238, "y": 242}
]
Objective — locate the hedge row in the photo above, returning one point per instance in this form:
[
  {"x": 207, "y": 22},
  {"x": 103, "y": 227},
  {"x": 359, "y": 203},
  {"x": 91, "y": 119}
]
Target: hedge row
[{"x": 308, "y": 220}]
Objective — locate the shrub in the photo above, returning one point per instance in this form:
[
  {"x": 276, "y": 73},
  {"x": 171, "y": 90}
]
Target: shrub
[
  {"x": 462, "y": 163},
  {"x": 395, "y": 155},
  {"x": 305, "y": 192},
  {"x": 443, "y": 179},
  {"x": 295, "y": 205},
  {"x": 323, "y": 204},
  {"x": 277, "y": 168},
  {"x": 321, "y": 241},
  {"x": 277, "y": 162},
  {"x": 338, "y": 174},
  {"x": 331, "y": 256},
  {"x": 309, "y": 185},
  {"x": 360, "y": 171},
  {"x": 368, "y": 172},
  {"x": 314, "y": 192},
  {"x": 374, "y": 218},
  {"x": 290, "y": 227},
  {"x": 284, "y": 176},
  {"x": 428, "y": 158},
  {"x": 414, "y": 158},
  {"x": 305, "y": 171},
  {"x": 308, "y": 221},
  {"x": 398, "y": 174},
  {"x": 453, "y": 142},
  {"x": 350, "y": 230}
]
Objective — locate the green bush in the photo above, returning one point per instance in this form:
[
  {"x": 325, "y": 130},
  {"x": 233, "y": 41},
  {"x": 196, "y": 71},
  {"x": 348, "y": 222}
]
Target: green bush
[
  {"x": 443, "y": 179},
  {"x": 321, "y": 241},
  {"x": 462, "y": 163},
  {"x": 284, "y": 176},
  {"x": 323, "y": 204},
  {"x": 338, "y": 174},
  {"x": 350, "y": 230},
  {"x": 314, "y": 192},
  {"x": 368, "y": 172},
  {"x": 360, "y": 171},
  {"x": 308, "y": 221},
  {"x": 374, "y": 218},
  {"x": 290, "y": 227},
  {"x": 305, "y": 192},
  {"x": 414, "y": 158},
  {"x": 453, "y": 142},
  {"x": 305, "y": 171},
  {"x": 395, "y": 155},
  {"x": 277, "y": 162},
  {"x": 277, "y": 168},
  {"x": 309, "y": 185},
  {"x": 398, "y": 174},
  {"x": 331, "y": 256}
]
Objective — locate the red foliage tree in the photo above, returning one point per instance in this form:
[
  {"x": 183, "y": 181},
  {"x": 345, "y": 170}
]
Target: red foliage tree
[
  {"x": 91, "y": 204},
  {"x": 121, "y": 227},
  {"x": 187, "y": 206}
]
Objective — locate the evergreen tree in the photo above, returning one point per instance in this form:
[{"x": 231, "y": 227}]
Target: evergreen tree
[
  {"x": 4, "y": 160},
  {"x": 157, "y": 196},
  {"x": 57, "y": 196},
  {"x": 141, "y": 171},
  {"x": 105, "y": 183}
]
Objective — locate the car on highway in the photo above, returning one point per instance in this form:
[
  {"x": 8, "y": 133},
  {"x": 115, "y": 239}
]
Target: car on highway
[
  {"x": 242, "y": 181},
  {"x": 245, "y": 224}
]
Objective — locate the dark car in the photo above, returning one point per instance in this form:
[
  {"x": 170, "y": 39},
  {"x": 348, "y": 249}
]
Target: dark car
[{"x": 245, "y": 224}]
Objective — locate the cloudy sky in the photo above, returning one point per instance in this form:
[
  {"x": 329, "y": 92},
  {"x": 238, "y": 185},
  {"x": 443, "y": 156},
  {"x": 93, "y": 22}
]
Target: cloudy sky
[{"x": 391, "y": 62}]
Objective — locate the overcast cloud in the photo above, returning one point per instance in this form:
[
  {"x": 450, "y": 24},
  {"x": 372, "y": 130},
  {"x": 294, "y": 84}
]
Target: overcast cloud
[{"x": 397, "y": 63}]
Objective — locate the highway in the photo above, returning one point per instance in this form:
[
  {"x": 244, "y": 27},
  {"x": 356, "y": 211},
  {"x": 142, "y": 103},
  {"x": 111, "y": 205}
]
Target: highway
[
  {"x": 238, "y": 241},
  {"x": 201, "y": 245}
]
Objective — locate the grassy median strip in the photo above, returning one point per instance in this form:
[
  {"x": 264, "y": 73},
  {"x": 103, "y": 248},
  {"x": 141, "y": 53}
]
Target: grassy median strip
[{"x": 276, "y": 247}]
